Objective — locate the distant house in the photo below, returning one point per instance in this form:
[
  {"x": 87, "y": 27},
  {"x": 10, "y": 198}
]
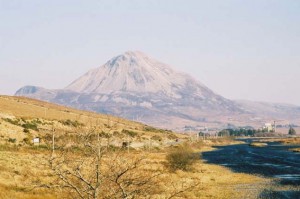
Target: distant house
[{"x": 268, "y": 127}]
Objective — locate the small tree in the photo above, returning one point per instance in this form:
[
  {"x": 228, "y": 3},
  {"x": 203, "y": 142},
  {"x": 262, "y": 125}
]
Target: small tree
[
  {"x": 292, "y": 131},
  {"x": 224, "y": 133}
]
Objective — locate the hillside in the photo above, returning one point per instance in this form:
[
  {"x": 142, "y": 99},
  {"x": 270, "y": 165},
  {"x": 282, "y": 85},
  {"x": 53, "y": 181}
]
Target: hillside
[
  {"x": 22, "y": 118},
  {"x": 32, "y": 108}
]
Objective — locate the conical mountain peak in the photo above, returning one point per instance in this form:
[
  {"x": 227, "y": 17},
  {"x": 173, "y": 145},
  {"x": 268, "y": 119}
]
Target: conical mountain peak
[
  {"x": 135, "y": 53},
  {"x": 136, "y": 72},
  {"x": 133, "y": 58}
]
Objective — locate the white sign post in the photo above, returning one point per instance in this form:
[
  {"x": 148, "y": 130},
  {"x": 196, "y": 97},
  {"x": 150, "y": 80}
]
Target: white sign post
[{"x": 36, "y": 141}]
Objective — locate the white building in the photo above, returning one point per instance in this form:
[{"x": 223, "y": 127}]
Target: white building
[{"x": 268, "y": 127}]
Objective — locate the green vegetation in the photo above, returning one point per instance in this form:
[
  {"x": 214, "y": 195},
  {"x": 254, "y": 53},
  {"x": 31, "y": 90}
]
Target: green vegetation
[
  {"x": 238, "y": 132},
  {"x": 12, "y": 121},
  {"x": 29, "y": 125},
  {"x": 26, "y": 140},
  {"x": 71, "y": 123},
  {"x": 292, "y": 131},
  {"x": 26, "y": 124},
  {"x": 12, "y": 140},
  {"x": 26, "y": 130},
  {"x": 104, "y": 135},
  {"x": 245, "y": 132},
  {"x": 130, "y": 133},
  {"x": 155, "y": 130}
]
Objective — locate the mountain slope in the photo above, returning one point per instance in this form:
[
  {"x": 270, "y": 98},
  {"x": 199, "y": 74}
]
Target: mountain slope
[
  {"x": 135, "y": 72},
  {"x": 138, "y": 87}
]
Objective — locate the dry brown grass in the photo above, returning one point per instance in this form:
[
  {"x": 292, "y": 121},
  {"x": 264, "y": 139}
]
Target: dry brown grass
[
  {"x": 295, "y": 150},
  {"x": 22, "y": 166},
  {"x": 55, "y": 116},
  {"x": 290, "y": 141},
  {"x": 21, "y": 170}
]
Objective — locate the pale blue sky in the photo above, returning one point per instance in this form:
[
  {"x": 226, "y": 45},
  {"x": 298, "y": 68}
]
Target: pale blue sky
[{"x": 240, "y": 49}]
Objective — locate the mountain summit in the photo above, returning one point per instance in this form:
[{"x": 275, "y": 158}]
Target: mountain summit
[
  {"x": 138, "y": 87},
  {"x": 136, "y": 72}
]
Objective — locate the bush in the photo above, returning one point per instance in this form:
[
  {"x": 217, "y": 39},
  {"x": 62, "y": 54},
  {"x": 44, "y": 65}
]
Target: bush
[
  {"x": 104, "y": 135},
  {"x": 156, "y": 138},
  {"x": 32, "y": 126},
  {"x": 12, "y": 140},
  {"x": 292, "y": 131},
  {"x": 172, "y": 136},
  {"x": 26, "y": 130},
  {"x": 181, "y": 158},
  {"x": 26, "y": 124},
  {"x": 155, "y": 130},
  {"x": 130, "y": 133},
  {"x": 27, "y": 141},
  {"x": 71, "y": 123},
  {"x": 14, "y": 122}
]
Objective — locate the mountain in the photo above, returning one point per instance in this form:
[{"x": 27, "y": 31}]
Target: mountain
[{"x": 136, "y": 86}]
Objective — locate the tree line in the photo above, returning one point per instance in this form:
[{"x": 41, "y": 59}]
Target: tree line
[{"x": 250, "y": 132}]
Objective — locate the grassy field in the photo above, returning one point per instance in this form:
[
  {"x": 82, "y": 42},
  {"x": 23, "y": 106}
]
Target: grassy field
[
  {"x": 23, "y": 169},
  {"x": 26, "y": 170}
]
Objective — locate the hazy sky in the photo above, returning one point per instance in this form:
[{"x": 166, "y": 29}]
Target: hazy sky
[{"x": 240, "y": 49}]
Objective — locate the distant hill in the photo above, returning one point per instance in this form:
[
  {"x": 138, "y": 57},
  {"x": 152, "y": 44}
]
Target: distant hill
[
  {"x": 138, "y": 87},
  {"x": 22, "y": 107}
]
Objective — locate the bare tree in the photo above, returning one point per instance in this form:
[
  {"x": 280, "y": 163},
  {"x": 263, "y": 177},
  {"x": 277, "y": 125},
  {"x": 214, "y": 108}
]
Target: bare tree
[
  {"x": 84, "y": 165},
  {"x": 95, "y": 171}
]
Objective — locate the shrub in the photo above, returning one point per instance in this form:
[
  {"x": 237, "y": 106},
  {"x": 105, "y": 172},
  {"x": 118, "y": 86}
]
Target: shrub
[
  {"x": 12, "y": 140},
  {"x": 104, "y": 135},
  {"x": 172, "y": 136},
  {"x": 14, "y": 122},
  {"x": 292, "y": 131},
  {"x": 37, "y": 121},
  {"x": 156, "y": 137},
  {"x": 29, "y": 125},
  {"x": 71, "y": 123},
  {"x": 155, "y": 130},
  {"x": 26, "y": 130},
  {"x": 181, "y": 158},
  {"x": 26, "y": 141},
  {"x": 149, "y": 128},
  {"x": 130, "y": 133}
]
